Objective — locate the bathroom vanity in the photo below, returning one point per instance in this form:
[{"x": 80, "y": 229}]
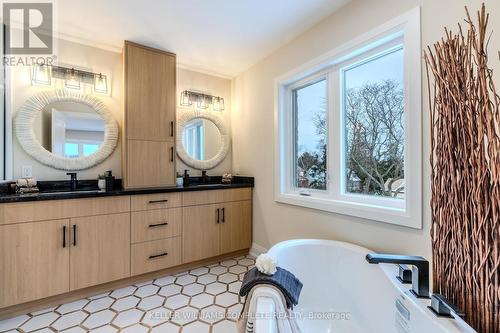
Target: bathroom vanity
[
  {"x": 58, "y": 246},
  {"x": 58, "y": 243}
]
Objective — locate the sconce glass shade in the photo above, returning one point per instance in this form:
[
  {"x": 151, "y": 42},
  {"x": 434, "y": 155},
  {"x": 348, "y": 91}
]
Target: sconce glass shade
[
  {"x": 218, "y": 104},
  {"x": 100, "y": 84},
  {"x": 72, "y": 79},
  {"x": 185, "y": 100},
  {"x": 202, "y": 102},
  {"x": 41, "y": 74}
]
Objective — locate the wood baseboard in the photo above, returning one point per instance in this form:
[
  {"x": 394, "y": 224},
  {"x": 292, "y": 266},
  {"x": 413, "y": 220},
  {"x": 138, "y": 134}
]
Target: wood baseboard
[{"x": 71, "y": 296}]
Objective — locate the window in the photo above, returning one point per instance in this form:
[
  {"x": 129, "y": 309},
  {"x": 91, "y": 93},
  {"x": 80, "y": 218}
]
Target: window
[
  {"x": 79, "y": 149},
  {"x": 192, "y": 140},
  {"x": 309, "y": 108},
  {"x": 373, "y": 112},
  {"x": 343, "y": 140}
]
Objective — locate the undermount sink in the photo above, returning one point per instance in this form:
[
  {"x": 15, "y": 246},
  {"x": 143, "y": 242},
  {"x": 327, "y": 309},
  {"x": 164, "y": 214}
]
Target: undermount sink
[
  {"x": 208, "y": 185},
  {"x": 67, "y": 192}
]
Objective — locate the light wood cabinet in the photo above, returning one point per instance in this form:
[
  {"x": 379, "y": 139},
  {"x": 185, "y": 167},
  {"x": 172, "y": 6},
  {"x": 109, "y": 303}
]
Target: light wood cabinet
[
  {"x": 150, "y": 93},
  {"x": 156, "y": 224},
  {"x": 34, "y": 261},
  {"x": 235, "y": 226},
  {"x": 48, "y": 248},
  {"x": 200, "y": 229},
  {"x": 156, "y": 255},
  {"x": 21, "y": 212},
  {"x": 210, "y": 230},
  {"x": 100, "y": 249},
  {"x": 156, "y": 201},
  {"x": 149, "y": 122},
  {"x": 150, "y": 164}
]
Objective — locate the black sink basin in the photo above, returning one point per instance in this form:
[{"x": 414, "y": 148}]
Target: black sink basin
[{"x": 66, "y": 192}]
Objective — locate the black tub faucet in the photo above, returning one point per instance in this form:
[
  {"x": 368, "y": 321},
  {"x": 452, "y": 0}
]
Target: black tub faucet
[
  {"x": 74, "y": 180},
  {"x": 420, "y": 270}
]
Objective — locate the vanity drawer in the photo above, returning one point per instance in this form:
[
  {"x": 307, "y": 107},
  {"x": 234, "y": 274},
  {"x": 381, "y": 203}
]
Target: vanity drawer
[
  {"x": 156, "y": 255},
  {"x": 58, "y": 209},
  {"x": 216, "y": 196},
  {"x": 156, "y": 201},
  {"x": 156, "y": 224}
]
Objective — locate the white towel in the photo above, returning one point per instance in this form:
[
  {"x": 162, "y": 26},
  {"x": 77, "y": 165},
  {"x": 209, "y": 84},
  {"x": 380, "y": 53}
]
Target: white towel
[{"x": 283, "y": 318}]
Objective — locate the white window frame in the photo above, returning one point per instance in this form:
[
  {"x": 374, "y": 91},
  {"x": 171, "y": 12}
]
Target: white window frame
[{"x": 403, "y": 30}]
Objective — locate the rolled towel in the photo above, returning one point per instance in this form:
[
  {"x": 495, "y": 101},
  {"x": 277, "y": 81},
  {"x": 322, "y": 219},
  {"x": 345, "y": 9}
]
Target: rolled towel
[
  {"x": 31, "y": 182},
  {"x": 252, "y": 319},
  {"x": 22, "y": 182},
  {"x": 285, "y": 281},
  {"x": 266, "y": 264}
]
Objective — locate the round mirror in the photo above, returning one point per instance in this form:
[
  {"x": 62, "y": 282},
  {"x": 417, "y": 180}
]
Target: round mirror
[
  {"x": 65, "y": 130},
  {"x": 202, "y": 138}
]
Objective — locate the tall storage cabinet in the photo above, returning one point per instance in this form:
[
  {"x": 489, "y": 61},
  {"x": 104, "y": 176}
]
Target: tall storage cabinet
[{"x": 149, "y": 124}]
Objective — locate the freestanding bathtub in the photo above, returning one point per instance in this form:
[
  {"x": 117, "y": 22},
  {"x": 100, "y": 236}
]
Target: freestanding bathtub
[{"x": 342, "y": 293}]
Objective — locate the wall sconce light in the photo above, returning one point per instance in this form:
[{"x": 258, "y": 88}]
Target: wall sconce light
[
  {"x": 203, "y": 101},
  {"x": 218, "y": 104},
  {"x": 185, "y": 101},
  {"x": 41, "y": 74},
  {"x": 72, "y": 79},
  {"x": 100, "y": 84}
]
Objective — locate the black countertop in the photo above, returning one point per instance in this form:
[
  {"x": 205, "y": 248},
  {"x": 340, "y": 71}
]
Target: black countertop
[{"x": 59, "y": 190}]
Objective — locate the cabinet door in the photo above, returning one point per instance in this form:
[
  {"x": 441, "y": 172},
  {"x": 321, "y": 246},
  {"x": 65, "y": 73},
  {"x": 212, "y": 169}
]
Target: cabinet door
[
  {"x": 236, "y": 226},
  {"x": 200, "y": 232},
  {"x": 34, "y": 261},
  {"x": 150, "y": 93},
  {"x": 100, "y": 249},
  {"x": 150, "y": 164}
]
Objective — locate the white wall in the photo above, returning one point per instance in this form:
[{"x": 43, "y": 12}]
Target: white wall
[
  {"x": 252, "y": 123},
  {"x": 80, "y": 56},
  {"x": 110, "y": 63}
]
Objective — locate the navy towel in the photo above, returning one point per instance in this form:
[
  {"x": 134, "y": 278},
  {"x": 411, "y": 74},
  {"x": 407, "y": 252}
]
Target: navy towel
[{"x": 285, "y": 281}]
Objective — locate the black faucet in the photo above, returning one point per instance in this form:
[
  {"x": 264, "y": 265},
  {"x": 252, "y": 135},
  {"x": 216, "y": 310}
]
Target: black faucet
[
  {"x": 74, "y": 180},
  {"x": 204, "y": 177},
  {"x": 420, "y": 270},
  {"x": 185, "y": 179}
]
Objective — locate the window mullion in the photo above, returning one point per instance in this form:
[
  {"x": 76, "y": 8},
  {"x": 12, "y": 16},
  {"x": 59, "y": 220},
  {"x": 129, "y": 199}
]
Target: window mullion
[{"x": 334, "y": 129}]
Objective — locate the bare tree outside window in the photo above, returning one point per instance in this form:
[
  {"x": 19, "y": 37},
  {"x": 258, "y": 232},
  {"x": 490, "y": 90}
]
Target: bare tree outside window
[
  {"x": 310, "y": 136},
  {"x": 374, "y": 129}
]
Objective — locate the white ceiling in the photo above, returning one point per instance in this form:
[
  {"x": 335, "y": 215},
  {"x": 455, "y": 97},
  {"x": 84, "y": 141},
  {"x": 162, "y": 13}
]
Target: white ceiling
[{"x": 220, "y": 36}]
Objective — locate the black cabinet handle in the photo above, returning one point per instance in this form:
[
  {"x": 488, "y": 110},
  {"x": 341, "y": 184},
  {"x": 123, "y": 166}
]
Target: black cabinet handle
[
  {"x": 218, "y": 215},
  {"x": 223, "y": 215},
  {"x": 64, "y": 236},
  {"x": 171, "y": 154},
  {"x": 158, "y": 201},
  {"x": 74, "y": 234},
  {"x": 158, "y": 255},
  {"x": 157, "y": 225},
  {"x": 171, "y": 128}
]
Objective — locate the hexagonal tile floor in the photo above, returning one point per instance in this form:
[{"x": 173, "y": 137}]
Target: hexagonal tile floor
[{"x": 202, "y": 300}]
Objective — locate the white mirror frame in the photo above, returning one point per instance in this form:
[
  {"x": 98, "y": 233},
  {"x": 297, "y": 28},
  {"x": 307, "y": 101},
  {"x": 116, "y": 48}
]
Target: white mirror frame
[
  {"x": 184, "y": 115},
  {"x": 25, "y": 118}
]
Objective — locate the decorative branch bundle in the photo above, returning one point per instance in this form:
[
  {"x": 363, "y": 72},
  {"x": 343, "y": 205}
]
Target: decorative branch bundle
[{"x": 465, "y": 122}]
